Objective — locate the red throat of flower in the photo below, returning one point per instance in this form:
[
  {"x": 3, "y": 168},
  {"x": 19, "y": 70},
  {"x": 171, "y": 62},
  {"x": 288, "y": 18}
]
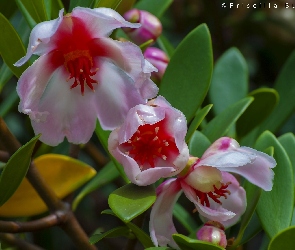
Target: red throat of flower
[
  {"x": 149, "y": 144},
  {"x": 214, "y": 195},
  {"x": 79, "y": 64}
]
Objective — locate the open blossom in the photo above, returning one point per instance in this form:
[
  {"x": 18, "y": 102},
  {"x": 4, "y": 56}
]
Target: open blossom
[
  {"x": 150, "y": 143},
  {"x": 82, "y": 75},
  {"x": 216, "y": 194}
]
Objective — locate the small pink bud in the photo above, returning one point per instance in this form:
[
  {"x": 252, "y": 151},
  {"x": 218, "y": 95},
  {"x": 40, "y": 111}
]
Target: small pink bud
[
  {"x": 159, "y": 59},
  {"x": 213, "y": 232},
  {"x": 151, "y": 27}
]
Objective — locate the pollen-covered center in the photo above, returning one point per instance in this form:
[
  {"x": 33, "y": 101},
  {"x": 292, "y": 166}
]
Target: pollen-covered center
[
  {"x": 207, "y": 182},
  {"x": 150, "y": 144},
  {"x": 79, "y": 64}
]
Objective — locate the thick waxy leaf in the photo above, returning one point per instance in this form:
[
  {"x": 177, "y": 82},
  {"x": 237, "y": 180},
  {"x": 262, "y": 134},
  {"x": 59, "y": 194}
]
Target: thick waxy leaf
[
  {"x": 113, "y": 4},
  {"x": 283, "y": 240},
  {"x": 186, "y": 243},
  {"x": 62, "y": 173},
  {"x": 15, "y": 170},
  {"x": 198, "y": 144},
  {"x": 265, "y": 100},
  {"x": 229, "y": 80},
  {"x": 10, "y": 39},
  {"x": 275, "y": 208},
  {"x": 199, "y": 117},
  {"x": 103, "y": 177},
  {"x": 218, "y": 126},
  {"x": 130, "y": 201},
  {"x": 288, "y": 142},
  {"x": 156, "y": 7},
  {"x": 115, "y": 232},
  {"x": 285, "y": 86},
  {"x": 188, "y": 75}
]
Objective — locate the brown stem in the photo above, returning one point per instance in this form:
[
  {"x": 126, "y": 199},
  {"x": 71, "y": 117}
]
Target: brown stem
[
  {"x": 70, "y": 225},
  {"x": 74, "y": 151},
  {"x": 12, "y": 240},
  {"x": 30, "y": 226}
]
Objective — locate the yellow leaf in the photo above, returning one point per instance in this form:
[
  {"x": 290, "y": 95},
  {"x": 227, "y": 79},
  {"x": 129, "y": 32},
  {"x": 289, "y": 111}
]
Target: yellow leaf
[{"x": 62, "y": 173}]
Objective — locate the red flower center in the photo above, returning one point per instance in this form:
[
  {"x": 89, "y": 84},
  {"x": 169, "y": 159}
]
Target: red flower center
[
  {"x": 214, "y": 195},
  {"x": 79, "y": 64},
  {"x": 150, "y": 144}
]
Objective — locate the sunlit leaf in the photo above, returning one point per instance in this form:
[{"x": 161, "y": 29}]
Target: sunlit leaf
[
  {"x": 131, "y": 200},
  {"x": 10, "y": 39},
  {"x": 283, "y": 240},
  {"x": 62, "y": 173},
  {"x": 186, "y": 243},
  {"x": 184, "y": 85},
  {"x": 15, "y": 170}
]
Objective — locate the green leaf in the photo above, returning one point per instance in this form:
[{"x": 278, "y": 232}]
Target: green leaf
[
  {"x": 5, "y": 75},
  {"x": 81, "y": 3},
  {"x": 184, "y": 218},
  {"x": 283, "y": 240},
  {"x": 253, "y": 228},
  {"x": 288, "y": 142},
  {"x": 36, "y": 9},
  {"x": 199, "y": 117},
  {"x": 198, "y": 144},
  {"x": 131, "y": 200},
  {"x": 124, "y": 6},
  {"x": 265, "y": 100},
  {"x": 7, "y": 8},
  {"x": 114, "y": 232},
  {"x": 10, "y": 39},
  {"x": 273, "y": 215},
  {"x": 140, "y": 235},
  {"x": 285, "y": 86},
  {"x": 16, "y": 169},
  {"x": 219, "y": 126},
  {"x": 56, "y": 6},
  {"x": 188, "y": 75},
  {"x": 113, "y": 4},
  {"x": 156, "y": 7},
  {"x": 165, "y": 45},
  {"x": 159, "y": 248},
  {"x": 186, "y": 243},
  {"x": 106, "y": 175},
  {"x": 229, "y": 80},
  {"x": 8, "y": 103}
]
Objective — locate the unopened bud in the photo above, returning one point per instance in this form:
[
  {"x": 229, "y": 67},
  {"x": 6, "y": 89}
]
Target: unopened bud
[
  {"x": 159, "y": 59},
  {"x": 151, "y": 27},
  {"x": 213, "y": 232}
]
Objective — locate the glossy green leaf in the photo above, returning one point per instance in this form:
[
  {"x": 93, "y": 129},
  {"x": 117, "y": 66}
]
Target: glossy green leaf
[
  {"x": 103, "y": 137},
  {"x": 113, "y": 4},
  {"x": 229, "y": 80},
  {"x": 16, "y": 169},
  {"x": 219, "y": 126},
  {"x": 56, "y": 6},
  {"x": 156, "y": 7},
  {"x": 36, "y": 9},
  {"x": 283, "y": 240},
  {"x": 185, "y": 218},
  {"x": 10, "y": 39},
  {"x": 131, "y": 200},
  {"x": 188, "y": 75},
  {"x": 199, "y": 117},
  {"x": 30, "y": 20},
  {"x": 165, "y": 45},
  {"x": 285, "y": 86},
  {"x": 106, "y": 175},
  {"x": 53, "y": 168},
  {"x": 273, "y": 215},
  {"x": 265, "y": 100},
  {"x": 288, "y": 142},
  {"x": 144, "y": 239},
  {"x": 186, "y": 243},
  {"x": 198, "y": 144},
  {"x": 114, "y": 232}
]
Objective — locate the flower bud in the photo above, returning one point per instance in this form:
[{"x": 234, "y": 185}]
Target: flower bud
[
  {"x": 151, "y": 27},
  {"x": 213, "y": 232},
  {"x": 159, "y": 59}
]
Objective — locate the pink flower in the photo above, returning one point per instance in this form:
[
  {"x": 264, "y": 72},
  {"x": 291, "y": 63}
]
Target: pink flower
[
  {"x": 82, "y": 75},
  {"x": 151, "y": 27},
  {"x": 216, "y": 194},
  {"x": 150, "y": 144},
  {"x": 159, "y": 59}
]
